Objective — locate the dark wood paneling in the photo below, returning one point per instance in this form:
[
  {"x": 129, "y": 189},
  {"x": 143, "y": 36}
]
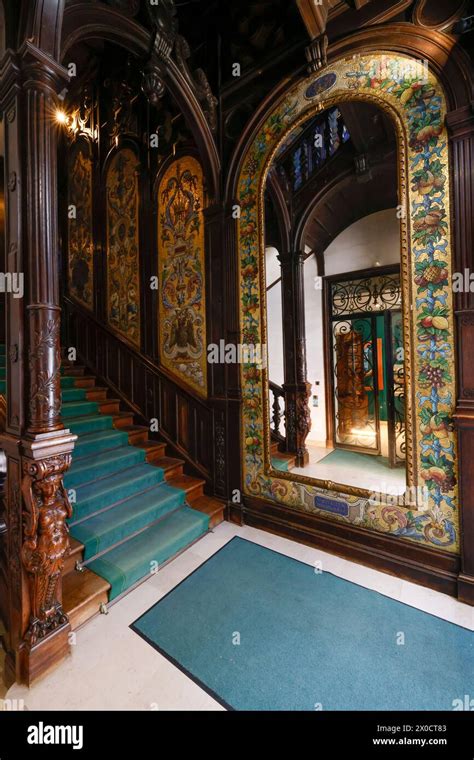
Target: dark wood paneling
[
  {"x": 429, "y": 567},
  {"x": 185, "y": 421}
]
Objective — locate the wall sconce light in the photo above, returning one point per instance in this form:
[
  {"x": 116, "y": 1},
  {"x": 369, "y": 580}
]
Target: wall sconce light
[{"x": 61, "y": 117}]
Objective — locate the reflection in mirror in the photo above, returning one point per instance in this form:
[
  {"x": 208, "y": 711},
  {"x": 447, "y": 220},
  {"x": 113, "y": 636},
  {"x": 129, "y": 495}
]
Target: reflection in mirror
[{"x": 334, "y": 306}]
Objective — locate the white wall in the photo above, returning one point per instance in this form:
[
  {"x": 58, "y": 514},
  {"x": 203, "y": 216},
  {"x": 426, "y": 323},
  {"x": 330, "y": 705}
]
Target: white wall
[
  {"x": 274, "y": 318},
  {"x": 375, "y": 238},
  {"x": 314, "y": 349}
]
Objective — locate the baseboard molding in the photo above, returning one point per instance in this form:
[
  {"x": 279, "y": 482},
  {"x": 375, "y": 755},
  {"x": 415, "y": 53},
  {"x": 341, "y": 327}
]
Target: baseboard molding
[
  {"x": 427, "y": 567},
  {"x": 466, "y": 589}
]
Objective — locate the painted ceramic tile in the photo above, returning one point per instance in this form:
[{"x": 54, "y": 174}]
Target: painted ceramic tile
[
  {"x": 415, "y": 99},
  {"x": 80, "y": 238},
  {"x": 123, "y": 288},
  {"x": 181, "y": 260}
]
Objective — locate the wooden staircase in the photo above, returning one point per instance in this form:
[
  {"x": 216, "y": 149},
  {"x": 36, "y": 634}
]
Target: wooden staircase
[
  {"x": 85, "y": 593},
  {"x": 282, "y": 456}
]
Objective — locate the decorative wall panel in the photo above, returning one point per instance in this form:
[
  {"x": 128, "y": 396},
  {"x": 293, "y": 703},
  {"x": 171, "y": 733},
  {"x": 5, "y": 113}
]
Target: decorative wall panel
[
  {"x": 123, "y": 258},
  {"x": 415, "y": 101},
  {"x": 181, "y": 266},
  {"x": 80, "y": 231}
]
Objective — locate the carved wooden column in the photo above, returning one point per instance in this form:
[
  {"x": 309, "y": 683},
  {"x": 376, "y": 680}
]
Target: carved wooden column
[
  {"x": 461, "y": 131},
  {"x": 297, "y": 389},
  {"x": 38, "y": 447}
]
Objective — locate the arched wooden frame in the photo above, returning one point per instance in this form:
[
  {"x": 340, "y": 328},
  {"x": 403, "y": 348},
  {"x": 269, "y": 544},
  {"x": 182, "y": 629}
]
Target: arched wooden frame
[
  {"x": 132, "y": 224},
  {"x": 81, "y": 22},
  {"x": 436, "y": 523}
]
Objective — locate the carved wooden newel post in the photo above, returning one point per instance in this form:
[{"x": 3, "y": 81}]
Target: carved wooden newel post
[
  {"x": 38, "y": 448},
  {"x": 297, "y": 389}
]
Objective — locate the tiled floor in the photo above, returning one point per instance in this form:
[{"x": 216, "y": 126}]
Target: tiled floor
[
  {"x": 110, "y": 667},
  {"x": 370, "y": 472}
]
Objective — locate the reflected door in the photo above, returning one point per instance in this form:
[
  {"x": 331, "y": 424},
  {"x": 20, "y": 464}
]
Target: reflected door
[{"x": 356, "y": 384}]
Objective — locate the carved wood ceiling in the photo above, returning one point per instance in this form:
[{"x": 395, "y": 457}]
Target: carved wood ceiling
[{"x": 337, "y": 194}]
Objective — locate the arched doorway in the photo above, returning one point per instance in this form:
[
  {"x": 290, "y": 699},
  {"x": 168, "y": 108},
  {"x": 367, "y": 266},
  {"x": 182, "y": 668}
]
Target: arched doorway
[{"x": 415, "y": 102}]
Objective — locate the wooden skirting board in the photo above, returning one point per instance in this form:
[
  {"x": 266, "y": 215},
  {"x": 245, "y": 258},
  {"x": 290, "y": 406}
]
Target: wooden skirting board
[{"x": 403, "y": 559}]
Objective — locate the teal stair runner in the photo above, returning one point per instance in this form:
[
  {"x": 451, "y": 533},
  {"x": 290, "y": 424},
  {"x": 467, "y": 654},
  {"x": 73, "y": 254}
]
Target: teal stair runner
[
  {"x": 126, "y": 515},
  {"x": 279, "y": 464}
]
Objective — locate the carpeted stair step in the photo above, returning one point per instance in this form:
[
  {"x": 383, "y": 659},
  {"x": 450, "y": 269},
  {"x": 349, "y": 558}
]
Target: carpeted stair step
[
  {"x": 279, "y": 464},
  {"x": 67, "y": 382},
  {"x": 103, "y": 440},
  {"x": 94, "y": 393},
  {"x": 3, "y": 360},
  {"x": 78, "y": 409},
  {"x": 83, "y": 593},
  {"x": 128, "y": 563},
  {"x": 90, "y": 423},
  {"x": 73, "y": 394},
  {"x": 120, "y": 523},
  {"x": 105, "y": 492},
  {"x": 3, "y": 387},
  {"x": 86, "y": 469}
]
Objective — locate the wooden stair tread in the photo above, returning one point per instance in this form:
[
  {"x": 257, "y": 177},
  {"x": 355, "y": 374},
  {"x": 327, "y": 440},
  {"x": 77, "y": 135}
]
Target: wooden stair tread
[
  {"x": 75, "y": 546},
  {"x": 133, "y": 428},
  {"x": 120, "y": 420},
  {"x": 283, "y": 457},
  {"x": 73, "y": 371},
  {"x": 172, "y": 466},
  {"x": 74, "y": 555},
  {"x": 82, "y": 594},
  {"x": 166, "y": 462},
  {"x": 112, "y": 403},
  {"x": 97, "y": 389},
  {"x": 192, "y": 486},
  {"x": 84, "y": 381},
  {"x": 151, "y": 446},
  {"x": 211, "y": 506}
]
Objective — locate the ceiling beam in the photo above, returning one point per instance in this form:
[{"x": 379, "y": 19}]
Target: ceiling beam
[{"x": 314, "y": 15}]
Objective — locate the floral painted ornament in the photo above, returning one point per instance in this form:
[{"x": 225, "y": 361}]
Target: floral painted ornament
[{"x": 413, "y": 97}]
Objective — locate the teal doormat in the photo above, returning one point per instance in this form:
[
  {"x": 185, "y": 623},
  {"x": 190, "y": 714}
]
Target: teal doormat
[{"x": 261, "y": 631}]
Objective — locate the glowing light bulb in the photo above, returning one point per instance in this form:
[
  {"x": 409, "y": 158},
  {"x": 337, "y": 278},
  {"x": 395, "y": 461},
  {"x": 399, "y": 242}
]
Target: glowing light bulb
[{"x": 61, "y": 117}]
